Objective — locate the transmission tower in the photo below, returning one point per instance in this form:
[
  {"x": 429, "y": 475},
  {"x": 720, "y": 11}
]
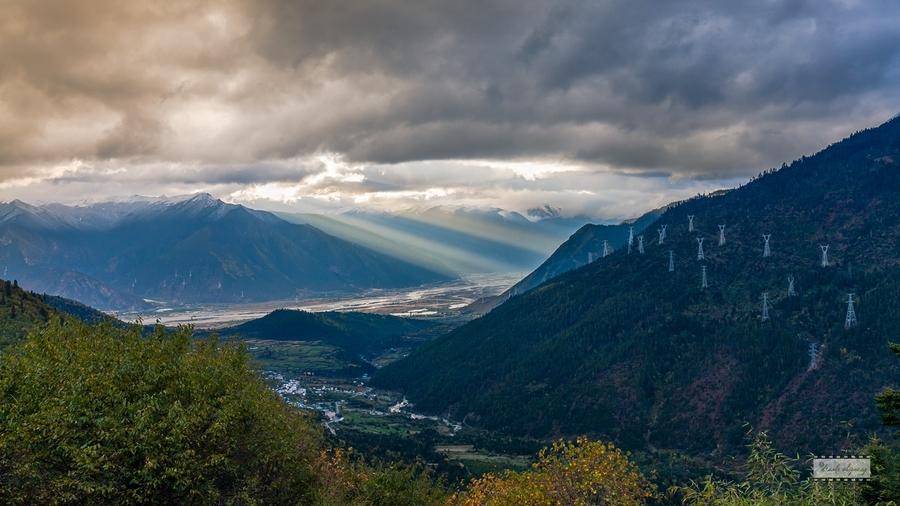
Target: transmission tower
[
  {"x": 641, "y": 244},
  {"x": 671, "y": 262},
  {"x": 766, "y": 251},
  {"x": 765, "y": 306},
  {"x": 851, "y": 313},
  {"x": 721, "y": 235},
  {"x": 605, "y": 248},
  {"x": 791, "y": 291},
  {"x": 690, "y": 223},
  {"x": 824, "y": 248},
  {"x": 703, "y": 283},
  {"x": 700, "y": 255},
  {"x": 662, "y": 233},
  {"x": 630, "y": 238}
]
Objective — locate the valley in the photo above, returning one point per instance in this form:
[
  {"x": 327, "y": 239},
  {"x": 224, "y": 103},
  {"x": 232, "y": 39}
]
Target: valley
[
  {"x": 445, "y": 300},
  {"x": 491, "y": 253},
  {"x": 320, "y": 353},
  {"x": 380, "y": 423}
]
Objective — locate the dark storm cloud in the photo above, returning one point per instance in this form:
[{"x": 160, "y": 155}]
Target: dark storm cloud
[
  {"x": 163, "y": 174},
  {"x": 703, "y": 88},
  {"x": 698, "y": 88}
]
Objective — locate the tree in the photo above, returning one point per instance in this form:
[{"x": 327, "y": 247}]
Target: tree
[
  {"x": 106, "y": 415},
  {"x": 579, "y": 472},
  {"x": 889, "y": 400},
  {"x": 884, "y": 488},
  {"x": 770, "y": 479},
  {"x": 347, "y": 481}
]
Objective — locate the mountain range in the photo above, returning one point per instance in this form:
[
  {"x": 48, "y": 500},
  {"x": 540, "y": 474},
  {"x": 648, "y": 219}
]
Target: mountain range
[
  {"x": 628, "y": 349},
  {"x": 195, "y": 249},
  {"x": 583, "y": 247},
  {"x": 453, "y": 241}
]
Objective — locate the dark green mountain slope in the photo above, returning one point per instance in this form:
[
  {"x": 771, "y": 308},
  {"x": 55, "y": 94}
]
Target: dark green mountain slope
[
  {"x": 585, "y": 245},
  {"x": 20, "y": 311},
  {"x": 358, "y": 337},
  {"x": 624, "y": 349},
  {"x": 78, "y": 310}
]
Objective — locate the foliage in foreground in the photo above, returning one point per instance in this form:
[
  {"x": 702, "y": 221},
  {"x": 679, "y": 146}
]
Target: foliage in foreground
[
  {"x": 771, "y": 479},
  {"x": 98, "y": 414},
  {"x": 579, "y": 472},
  {"x": 101, "y": 414},
  {"x": 884, "y": 488},
  {"x": 348, "y": 481}
]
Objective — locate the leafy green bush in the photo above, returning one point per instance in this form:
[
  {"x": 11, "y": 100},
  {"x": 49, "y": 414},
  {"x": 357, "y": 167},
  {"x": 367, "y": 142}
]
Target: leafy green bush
[{"x": 103, "y": 415}]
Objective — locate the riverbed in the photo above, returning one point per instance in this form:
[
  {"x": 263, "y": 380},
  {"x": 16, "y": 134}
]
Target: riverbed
[{"x": 441, "y": 300}]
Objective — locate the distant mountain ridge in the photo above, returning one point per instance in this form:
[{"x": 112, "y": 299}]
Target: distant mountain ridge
[
  {"x": 582, "y": 248},
  {"x": 585, "y": 246},
  {"x": 455, "y": 241},
  {"x": 195, "y": 249},
  {"x": 624, "y": 349}
]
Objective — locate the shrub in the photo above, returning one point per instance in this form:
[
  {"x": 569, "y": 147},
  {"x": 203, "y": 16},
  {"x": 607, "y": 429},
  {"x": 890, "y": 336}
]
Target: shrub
[
  {"x": 771, "y": 479},
  {"x": 102, "y": 415},
  {"x": 347, "y": 481}
]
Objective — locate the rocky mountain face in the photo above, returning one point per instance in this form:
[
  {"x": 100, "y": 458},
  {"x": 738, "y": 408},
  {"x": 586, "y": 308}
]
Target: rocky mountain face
[{"x": 196, "y": 249}]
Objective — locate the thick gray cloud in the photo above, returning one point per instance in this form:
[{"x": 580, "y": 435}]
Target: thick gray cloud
[{"x": 236, "y": 93}]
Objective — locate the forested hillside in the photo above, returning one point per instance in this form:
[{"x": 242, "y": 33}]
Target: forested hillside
[
  {"x": 585, "y": 245},
  {"x": 356, "y": 338},
  {"x": 625, "y": 349},
  {"x": 20, "y": 311}
]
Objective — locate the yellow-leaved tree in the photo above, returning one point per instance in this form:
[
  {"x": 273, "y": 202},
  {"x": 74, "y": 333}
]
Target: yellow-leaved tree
[{"x": 579, "y": 472}]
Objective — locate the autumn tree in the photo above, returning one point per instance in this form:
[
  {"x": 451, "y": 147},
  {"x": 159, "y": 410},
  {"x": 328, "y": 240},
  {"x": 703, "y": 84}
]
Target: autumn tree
[{"x": 579, "y": 472}]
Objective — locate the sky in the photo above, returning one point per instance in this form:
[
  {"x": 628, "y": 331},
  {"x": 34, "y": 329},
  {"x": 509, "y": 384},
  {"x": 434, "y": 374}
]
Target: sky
[{"x": 599, "y": 108}]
